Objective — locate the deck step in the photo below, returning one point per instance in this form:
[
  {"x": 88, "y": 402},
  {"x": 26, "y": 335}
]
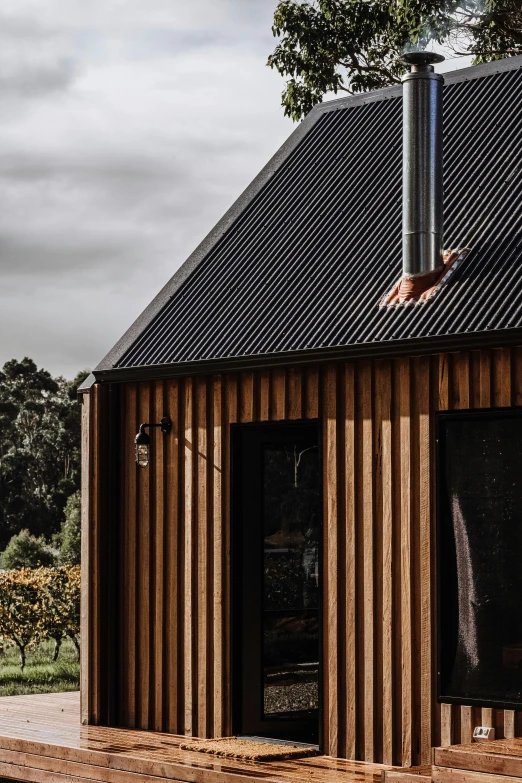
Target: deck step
[{"x": 498, "y": 758}]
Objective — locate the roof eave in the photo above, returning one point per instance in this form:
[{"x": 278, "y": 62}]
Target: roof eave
[{"x": 413, "y": 346}]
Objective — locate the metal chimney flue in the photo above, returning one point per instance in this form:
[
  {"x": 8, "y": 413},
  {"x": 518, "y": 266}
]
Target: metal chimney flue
[{"x": 422, "y": 166}]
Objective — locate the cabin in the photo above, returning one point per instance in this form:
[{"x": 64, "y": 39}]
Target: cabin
[{"x": 302, "y": 484}]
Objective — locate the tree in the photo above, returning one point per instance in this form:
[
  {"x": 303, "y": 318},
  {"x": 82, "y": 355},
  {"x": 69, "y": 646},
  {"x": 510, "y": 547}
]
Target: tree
[
  {"x": 60, "y": 602},
  {"x": 21, "y": 609},
  {"x": 70, "y": 549},
  {"x": 39, "y": 448},
  {"x": 356, "y": 45},
  {"x": 27, "y": 551}
]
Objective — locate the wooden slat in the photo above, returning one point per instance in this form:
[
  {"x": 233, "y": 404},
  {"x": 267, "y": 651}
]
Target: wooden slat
[
  {"x": 485, "y": 379},
  {"x": 444, "y": 382},
  {"x": 442, "y": 403},
  {"x": 446, "y": 724},
  {"x": 366, "y": 520},
  {"x": 188, "y": 558},
  {"x": 158, "y": 546},
  {"x": 246, "y": 406},
  {"x": 384, "y": 526},
  {"x": 461, "y": 385},
  {"x": 264, "y": 395},
  {"x": 129, "y": 715},
  {"x": 172, "y": 631},
  {"x": 403, "y": 385},
  {"x": 231, "y": 416},
  {"x": 218, "y": 539},
  {"x": 143, "y": 596},
  {"x": 204, "y": 587},
  {"x": 278, "y": 394},
  {"x": 502, "y": 378},
  {"x": 295, "y": 393},
  {"x": 486, "y": 717},
  {"x": 351, "y": 563},
  {"x": 312, "y": 392},
  {"x": 509, "y": 724},
  {"x": 466, "y": 727},
  {"x": 516, "y": 369},
  {"x": 330, "y": 576},
  {"x": 475, "y": 357},
  {"x": 423, "y": 407}
]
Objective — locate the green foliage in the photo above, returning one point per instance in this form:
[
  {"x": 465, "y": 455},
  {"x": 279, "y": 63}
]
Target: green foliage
[
  {"x": 70, "y": 549},
  {"x": 356, "y": 45},
  {"x": 26, "y": 551},
  {"x": 38, "y": 604},
  {"x": 39, "y": 448}
]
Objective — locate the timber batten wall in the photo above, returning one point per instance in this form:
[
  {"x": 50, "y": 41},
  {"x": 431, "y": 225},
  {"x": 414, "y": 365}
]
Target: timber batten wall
[{"x": 173, "y": 664}]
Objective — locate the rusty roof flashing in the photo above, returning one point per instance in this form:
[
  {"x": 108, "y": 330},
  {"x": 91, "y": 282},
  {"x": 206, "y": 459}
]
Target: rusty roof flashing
[{"x": 419, "y": 289}]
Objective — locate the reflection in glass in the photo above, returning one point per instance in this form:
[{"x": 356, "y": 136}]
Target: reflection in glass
[
  {"x": 481, "y": 542},
  {"x": 291, "y": 519}
]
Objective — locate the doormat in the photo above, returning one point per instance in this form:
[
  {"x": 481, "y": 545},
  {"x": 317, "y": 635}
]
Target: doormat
[{"x": 250, "y": 750}]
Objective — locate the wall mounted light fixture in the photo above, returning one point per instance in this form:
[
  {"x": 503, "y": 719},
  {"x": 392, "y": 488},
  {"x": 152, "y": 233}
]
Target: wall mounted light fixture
[{"x": 142, "y": 440}]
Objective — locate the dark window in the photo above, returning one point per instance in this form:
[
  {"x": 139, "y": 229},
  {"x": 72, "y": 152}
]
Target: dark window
[{"x": 480, "y": 557}]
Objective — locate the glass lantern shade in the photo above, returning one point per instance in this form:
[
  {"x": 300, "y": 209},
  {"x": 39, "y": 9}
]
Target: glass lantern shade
[
  {"x": 142, "y": 454},
  {"x": 142, "y": 448}
]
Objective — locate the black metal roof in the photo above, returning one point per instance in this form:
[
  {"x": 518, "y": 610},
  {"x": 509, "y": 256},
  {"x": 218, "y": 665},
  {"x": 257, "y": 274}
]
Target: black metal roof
[{"x": 299, "y": 264}]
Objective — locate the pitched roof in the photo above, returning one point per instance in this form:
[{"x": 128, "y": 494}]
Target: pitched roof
[{"x": 299, "y": 264}]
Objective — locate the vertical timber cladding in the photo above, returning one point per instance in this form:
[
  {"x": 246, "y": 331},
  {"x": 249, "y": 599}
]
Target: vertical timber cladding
[
  {"x": 99, "y": 487},
  {"x": 379, "y": 569}
]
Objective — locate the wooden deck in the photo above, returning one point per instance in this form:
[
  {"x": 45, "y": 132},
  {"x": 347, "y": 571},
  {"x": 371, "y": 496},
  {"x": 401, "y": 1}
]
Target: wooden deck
[{"x": 42, "y": 741}]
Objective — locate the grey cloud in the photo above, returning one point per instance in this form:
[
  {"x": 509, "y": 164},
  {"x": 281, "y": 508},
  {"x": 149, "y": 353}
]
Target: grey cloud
[
  {"x": 34, "y": 60},
  {"x": 35, "y": 79}
]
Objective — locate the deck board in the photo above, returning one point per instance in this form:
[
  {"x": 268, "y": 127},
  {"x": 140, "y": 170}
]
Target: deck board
[{"x": 42, "y": 741}]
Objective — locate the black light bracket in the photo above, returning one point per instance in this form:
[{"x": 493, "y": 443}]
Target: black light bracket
[{"x": 165, "y": 425}]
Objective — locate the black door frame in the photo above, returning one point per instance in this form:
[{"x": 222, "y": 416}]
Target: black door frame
[{"x": 236, "y": 527}]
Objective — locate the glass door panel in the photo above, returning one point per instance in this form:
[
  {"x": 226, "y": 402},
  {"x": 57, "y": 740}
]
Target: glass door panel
[
  {"x": 291, "y": 530},
  {"x": 277, "y": 580}
]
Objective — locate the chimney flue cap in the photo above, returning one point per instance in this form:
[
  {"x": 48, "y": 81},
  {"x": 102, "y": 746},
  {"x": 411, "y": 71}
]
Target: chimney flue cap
[{"x": 422, "y": 61}]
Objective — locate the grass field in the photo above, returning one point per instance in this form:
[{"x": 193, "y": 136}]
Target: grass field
[{"x": 40, "y": 675}]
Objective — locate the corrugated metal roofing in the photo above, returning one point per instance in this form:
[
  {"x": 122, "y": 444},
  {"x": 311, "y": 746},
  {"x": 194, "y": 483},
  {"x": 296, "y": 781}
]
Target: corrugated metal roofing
[{"x": 305, "y": 262}]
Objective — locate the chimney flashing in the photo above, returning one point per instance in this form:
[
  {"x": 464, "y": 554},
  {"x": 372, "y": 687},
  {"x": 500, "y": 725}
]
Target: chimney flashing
[{"x": 419, "y": 289}]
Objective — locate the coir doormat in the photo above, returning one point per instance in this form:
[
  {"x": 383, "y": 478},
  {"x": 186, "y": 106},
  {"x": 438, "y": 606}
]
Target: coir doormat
[{"x": 250, "y": 750}]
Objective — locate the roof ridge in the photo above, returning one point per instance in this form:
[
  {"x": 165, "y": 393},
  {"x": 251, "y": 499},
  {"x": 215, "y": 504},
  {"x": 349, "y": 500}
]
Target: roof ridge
[{"x": 450, "y": 77}]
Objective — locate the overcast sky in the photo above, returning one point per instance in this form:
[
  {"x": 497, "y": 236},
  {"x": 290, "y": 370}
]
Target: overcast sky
[{"x": 127, "y": 128}]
